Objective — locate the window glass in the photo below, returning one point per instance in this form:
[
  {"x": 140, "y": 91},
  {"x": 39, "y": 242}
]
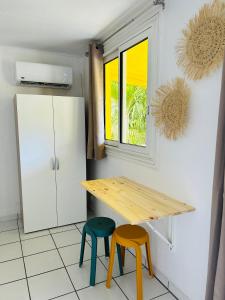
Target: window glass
[
  {"x": 134, "y": 93},
  {"x": 111, "y": 80}
]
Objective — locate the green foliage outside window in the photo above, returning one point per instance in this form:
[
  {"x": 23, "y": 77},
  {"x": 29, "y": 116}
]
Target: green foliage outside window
[{"x": 136, "y": 108}]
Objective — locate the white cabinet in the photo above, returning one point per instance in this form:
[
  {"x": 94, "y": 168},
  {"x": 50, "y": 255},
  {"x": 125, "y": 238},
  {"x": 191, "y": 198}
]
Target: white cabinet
[{"x": 52, "y": 163}]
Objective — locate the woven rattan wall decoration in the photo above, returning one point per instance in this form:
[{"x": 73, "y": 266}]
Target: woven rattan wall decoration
[
  {"x": 201, "y": 49},
  {"x": 170, "y": 108}
]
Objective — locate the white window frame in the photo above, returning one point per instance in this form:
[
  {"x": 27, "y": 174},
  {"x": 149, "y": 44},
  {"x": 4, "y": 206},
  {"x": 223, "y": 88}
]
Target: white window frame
[
  {"x": 141, "y": 154},
  {"x": 107, "y": 59}
]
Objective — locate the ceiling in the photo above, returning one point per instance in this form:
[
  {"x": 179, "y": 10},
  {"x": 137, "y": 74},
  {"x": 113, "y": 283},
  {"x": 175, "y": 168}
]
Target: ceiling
[{"x": 57, "y": 25}]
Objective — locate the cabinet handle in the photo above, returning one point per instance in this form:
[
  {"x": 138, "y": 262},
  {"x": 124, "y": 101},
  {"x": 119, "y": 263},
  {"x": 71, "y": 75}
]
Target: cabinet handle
[
  {"x": 53, "y": 164},
  {"x": 57, "y": 164}
]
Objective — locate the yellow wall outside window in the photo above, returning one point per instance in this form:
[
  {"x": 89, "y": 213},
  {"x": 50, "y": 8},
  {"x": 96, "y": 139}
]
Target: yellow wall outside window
[
  {"x": 111, "y": 75},
  {"x": 137, "y": 64}
]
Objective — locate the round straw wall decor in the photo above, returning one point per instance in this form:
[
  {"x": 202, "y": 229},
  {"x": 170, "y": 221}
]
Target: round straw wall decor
[
  {"x": 201, "y": 49},
  {"x": 170, "y": 108}
]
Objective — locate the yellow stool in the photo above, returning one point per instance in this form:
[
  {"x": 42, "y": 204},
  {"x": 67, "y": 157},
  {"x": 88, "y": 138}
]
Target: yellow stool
[{"x": 131, "y": 236}]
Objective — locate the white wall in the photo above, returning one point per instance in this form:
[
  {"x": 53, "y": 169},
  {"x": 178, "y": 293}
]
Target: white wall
[
  {"x": 9, "y": 194},
  {"x": 185, "y": 169}
]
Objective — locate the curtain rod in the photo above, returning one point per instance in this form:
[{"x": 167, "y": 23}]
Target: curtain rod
[
  {"x": 159, "y": 2},
  {"x": 155, "y": 2}
]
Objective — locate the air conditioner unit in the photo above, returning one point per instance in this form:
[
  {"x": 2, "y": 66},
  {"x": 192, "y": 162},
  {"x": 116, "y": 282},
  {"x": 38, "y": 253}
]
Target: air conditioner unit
[{"x": 34, "y": 74}]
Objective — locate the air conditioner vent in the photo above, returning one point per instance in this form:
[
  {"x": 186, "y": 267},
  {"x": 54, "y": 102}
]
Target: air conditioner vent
[{"x": 45, "y": 84}]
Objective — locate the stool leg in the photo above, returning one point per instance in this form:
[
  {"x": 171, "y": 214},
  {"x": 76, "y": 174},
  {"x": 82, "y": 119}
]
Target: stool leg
[
  {"x": 123, "y": 254},
  {"x": 139, "y": 273},
  {"x": 119, "y": 258},
  {"x": 106, "y": 240},
  {"x": 93, "y": 259},
  {"x": 111, "y": 261},
  {"x": 149, "y": 260},
  {"x": 82, "y": 247}
]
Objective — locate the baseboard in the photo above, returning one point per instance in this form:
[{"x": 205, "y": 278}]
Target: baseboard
[
  {"x": 161, "y": 277},
  {"x": 177, "y": 292},
  {"x": 170, "y": 285},
  {"x": 9, "y": 218}
]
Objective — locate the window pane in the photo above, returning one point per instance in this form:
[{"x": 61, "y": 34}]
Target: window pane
[
  {"x": 134, "y": 95},
  {"x": 111, "y": 99}
]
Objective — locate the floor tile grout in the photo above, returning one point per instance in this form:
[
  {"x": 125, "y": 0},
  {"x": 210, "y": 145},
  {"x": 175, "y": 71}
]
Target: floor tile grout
[
  {"x": 8, "y": 282},
  {"x": 115, "y": 281},
  {"x": 77, "y": 263},
  {"x": 45, "y": 272},
  {"x": 120, "y": 287},
  {"x": 62, "y": 295},
  {"x": 160, "y": 282},
  {"x": 54, "y": 249},
  {"x": 88, "y": 286},
  {"x": 40, "y": 252},
  {"x": 36, "y": 237},
  {"x": 1, "y": 231},
  {"x": 61, "y": 247},
  {"x": 5, "y": 261},
  {"x": 157, "y": 297},
  {"x": 24, "y": 263},
  {"x": 64, "y": 231},
  {"x": 9, "y": 243},
  {"x": 65, "y": 267},
  {"x": 98, "y": 257}
]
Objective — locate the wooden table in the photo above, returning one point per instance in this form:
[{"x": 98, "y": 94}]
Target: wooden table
[{"x": 135, "y": 202}]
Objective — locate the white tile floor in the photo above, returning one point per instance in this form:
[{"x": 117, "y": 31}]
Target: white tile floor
[{"x": 44, "y": 265}]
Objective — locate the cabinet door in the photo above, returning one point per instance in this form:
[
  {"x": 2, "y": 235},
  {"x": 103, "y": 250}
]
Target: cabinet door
[
  {"x": 69, "y": 125},
  {"x": 36, "y": 152}
]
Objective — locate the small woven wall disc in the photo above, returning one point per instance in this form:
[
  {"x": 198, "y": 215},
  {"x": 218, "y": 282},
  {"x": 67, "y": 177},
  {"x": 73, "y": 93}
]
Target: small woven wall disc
[{"x": 170, "y": 108}]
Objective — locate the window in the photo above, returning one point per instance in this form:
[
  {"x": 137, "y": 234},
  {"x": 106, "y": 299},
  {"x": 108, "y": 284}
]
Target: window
[{"x": 127, "y": 90}]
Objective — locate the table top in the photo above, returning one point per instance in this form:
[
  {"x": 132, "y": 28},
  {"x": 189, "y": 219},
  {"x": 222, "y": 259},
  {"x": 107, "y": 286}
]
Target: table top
[{"x": 135, "y": 202}]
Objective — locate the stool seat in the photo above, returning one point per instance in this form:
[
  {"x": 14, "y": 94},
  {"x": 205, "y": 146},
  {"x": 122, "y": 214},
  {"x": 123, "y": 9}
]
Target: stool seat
[
  {"x": 130, "y": 232},
  {"x": 100, "y": 226}
]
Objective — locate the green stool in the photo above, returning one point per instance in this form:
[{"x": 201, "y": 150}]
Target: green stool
[{"x": 99, "y": 227}]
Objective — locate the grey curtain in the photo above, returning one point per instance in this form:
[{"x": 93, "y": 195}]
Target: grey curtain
[
  {"x": 95, "y": 146},
  {"x": 216, "y": 267}
]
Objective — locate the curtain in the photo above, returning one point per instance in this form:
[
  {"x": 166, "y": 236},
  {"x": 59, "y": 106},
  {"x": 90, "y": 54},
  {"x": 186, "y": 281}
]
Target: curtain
[
  {"x": 95, "y": 145},
  {"x": 216, "y": 267}
]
